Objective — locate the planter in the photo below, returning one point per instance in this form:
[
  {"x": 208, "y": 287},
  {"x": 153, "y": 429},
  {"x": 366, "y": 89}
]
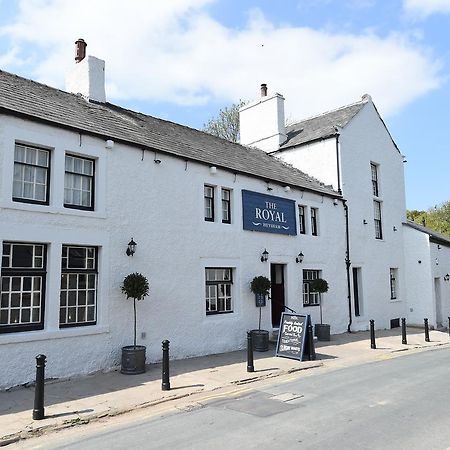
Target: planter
[
  {"x": 133, "y": 359},
  {"x": 260, "y": 340},
  {"x": 322, "y": 331}
]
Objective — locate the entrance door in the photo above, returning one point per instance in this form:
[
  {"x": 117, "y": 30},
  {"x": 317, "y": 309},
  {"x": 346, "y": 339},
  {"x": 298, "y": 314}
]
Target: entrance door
[
  {"x": 277, "y": 280},
  {"x": 356, "y": 291},
  {"x": 437, "y": 296}
]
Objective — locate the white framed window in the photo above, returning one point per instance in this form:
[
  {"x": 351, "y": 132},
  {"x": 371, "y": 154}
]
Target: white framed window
[
  {"x": 393, "y": 276},
  {"x": 374, "y": 172},
  {"x": 314, "y": 221},
  {"x": 79, "y": 182},
  {"x": 377, "y": 219},
  {"x": 310, "y": 298},
  {"x": 302, "y": 219},
  {"x": 78, "y": 295},
  {"x": 208, "y": 194},
  {"x": 31, "y": 174},
  {"x": 226, "y": 205},
  {"x": 219, "y": 290},
  {"x": 23, "y": 279}
]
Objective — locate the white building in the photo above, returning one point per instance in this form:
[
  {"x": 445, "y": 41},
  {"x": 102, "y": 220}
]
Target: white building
[{"x": 80, "y": 177}]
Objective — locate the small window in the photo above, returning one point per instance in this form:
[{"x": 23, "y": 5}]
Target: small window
[
  {"x": 374, "y": 170},
  {"x": 302, "y": 219},
  {"x": 393, "y": 283},
  {"x": 219, "y": 283},
  {"x": 79, "y": 183},
  {"x": 22, "y": 287},
  {"x": 78, "y": 296},
  {"x": 377, "y": 219},
  {"x": 226, "y": 206},
  {"x": 310, "y": 298},
  {"x": 209, "y": 203},
  {"x": 31, "y": 175},
  {"x": 314, "y": 221}
]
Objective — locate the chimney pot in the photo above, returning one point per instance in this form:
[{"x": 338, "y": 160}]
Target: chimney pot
[
  {"x": 80, "y": 50},
  {"x": 264, "y": 90}
]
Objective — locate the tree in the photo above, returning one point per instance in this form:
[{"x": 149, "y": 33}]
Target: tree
[
  {"x": 226, "y": 124},
  {"x": 437, "y": 218}
]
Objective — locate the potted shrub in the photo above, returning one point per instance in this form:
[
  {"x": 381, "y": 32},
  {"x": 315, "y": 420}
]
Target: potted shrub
[
  {"x": 322, "y": 330},
  {"x": 134, "y": 286},
  {"x": 260, "y": 286}
]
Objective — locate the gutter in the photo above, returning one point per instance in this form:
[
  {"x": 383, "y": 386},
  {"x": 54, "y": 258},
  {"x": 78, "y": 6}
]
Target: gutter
[
  {"x": 338, "y": 163},
  {"x": 347, "y": 266}
]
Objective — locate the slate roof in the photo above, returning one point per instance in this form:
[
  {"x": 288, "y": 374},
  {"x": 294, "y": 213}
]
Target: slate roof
[
  {"x": 434, "y": 235},
  {"x": 322, "y": 126},
  {"x": 28, "y": 98}
]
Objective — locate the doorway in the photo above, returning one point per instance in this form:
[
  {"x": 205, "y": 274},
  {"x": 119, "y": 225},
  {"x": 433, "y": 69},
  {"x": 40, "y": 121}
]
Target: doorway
[
  {"x": 277, "y": 300},
  {"x": 357, "y": 290},
  {"x": 438, "y": 299}
]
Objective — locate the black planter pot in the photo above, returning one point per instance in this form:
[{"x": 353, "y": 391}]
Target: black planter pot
[
  {"x": 322, "y": 331},
  {"x": 133, "y": 359},
  {"x": 260, "y": 340}
]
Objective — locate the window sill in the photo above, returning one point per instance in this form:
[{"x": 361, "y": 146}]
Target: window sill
[
  {"x": 310, "y": 306},
  {"x": 395, "y": 300},
  {"x": 49, "y": 209},
  {"x": 42, "y": 335}
]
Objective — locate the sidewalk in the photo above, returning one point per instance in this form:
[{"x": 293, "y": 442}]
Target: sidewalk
[{"x": 77, "y": 401}]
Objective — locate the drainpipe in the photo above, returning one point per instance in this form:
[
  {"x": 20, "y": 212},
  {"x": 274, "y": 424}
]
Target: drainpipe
[
  {"x": 347, "y": 266},
  {"x": 338, "y": 162}
]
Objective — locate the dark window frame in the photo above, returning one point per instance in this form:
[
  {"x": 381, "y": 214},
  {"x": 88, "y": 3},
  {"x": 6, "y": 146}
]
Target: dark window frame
[
  {"x": 227, "y": 204},
  {"x": 305, "y": 292},
  {"x": 302, "y": 219},
  {"x": 217, "y": 283},
  {"x": 314, "y": 222},
  {"x": 79, "y": 271},
  {"x": 211, "y": 199},
  {"x": 27, "y": 272},
  {"x": 92, "y": 177},
  {"x": 378, "y": 220},
  {"x": 393, "y": 282},
  {"x": 375, "y": 182},
  {"x": 45, "y": 202}
]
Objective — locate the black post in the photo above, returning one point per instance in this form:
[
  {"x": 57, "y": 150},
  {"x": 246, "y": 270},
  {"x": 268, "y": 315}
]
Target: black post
[
  {"x": 250, "y": 366},
  {"x": 312, "y": 353},
  {"x": 165, "y": 385},
  {"x": 404, "y": 341},
  {"x": 372, "y": 334},
  {"x": 38, "y": 411},
  {"x": 427, "y": 331}
]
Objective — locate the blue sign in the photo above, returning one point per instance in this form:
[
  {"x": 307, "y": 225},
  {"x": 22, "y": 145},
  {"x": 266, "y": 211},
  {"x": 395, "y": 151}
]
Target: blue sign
[{"x": 268, "y": 213}]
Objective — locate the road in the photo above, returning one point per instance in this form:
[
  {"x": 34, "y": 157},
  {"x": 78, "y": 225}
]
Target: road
[{"x": 400, "y": 403}]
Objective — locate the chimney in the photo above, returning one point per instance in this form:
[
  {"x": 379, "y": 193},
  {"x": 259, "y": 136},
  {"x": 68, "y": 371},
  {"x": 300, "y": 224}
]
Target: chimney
[
  {"x": 87, "y": 76},
  {"x": 80, "y": 50},
  {"x": 262, "y": 122}
]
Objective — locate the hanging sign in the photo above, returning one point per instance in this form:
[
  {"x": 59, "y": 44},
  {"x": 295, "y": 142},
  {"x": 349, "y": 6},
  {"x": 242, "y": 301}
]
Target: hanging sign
[
  {"x": 268, "y": 213},
  {"x": 293, "y": 337}
]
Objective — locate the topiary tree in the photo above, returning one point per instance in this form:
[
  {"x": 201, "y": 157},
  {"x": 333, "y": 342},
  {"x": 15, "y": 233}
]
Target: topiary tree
[
  {"x": 321, "y": 286},
  {"x": 135, "y": 286},
  {"x": 260, "y": 285}
]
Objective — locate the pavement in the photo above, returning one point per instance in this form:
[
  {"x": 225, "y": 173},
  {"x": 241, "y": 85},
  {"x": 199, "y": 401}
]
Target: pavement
[{"x": 101, "y": 395}]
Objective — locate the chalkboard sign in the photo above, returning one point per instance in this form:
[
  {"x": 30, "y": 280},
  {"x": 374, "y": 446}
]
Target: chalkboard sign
[{"x": 293, "y": 336}]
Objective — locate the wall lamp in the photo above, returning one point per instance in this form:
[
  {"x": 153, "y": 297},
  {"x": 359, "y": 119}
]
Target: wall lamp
[
  {"x": 264, "y": 256},
  {"x": 447, "y": 277},
  {"x": 131, "y": 249},
  {"x": 394, "y": 228},
  {"x": 299, "y": 258}
]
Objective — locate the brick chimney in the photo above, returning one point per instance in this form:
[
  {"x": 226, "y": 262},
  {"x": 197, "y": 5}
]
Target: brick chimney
[
  {"x": 262, "y": 122},
  {"x": 87, "y": 76}
]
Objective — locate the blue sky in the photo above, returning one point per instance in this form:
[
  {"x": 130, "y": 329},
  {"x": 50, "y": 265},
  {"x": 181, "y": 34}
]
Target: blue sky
[{"x": 182, "y": 60}]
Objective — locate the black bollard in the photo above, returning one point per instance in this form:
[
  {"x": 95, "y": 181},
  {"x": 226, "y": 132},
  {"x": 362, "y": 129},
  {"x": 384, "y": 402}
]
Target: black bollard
[
  {"x": 165, "y": 385},
  {"x": 372, "y": 334},
  {"x": 38, "y": 411},
  {"x": 312, "y": 352},
  {"x": 427, "y": 331},
  {"x": 250, "y": 366},
  {"x": 404, "y": 341}
]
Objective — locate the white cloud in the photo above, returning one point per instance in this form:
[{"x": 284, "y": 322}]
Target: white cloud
[
  {"x": 174, "y": 51},
  {"x": 425, "y": 8}
]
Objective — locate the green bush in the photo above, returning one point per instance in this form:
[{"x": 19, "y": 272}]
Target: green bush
[
  {"x": 319, "y": 285},
  {"x": 260, "y": 285}
]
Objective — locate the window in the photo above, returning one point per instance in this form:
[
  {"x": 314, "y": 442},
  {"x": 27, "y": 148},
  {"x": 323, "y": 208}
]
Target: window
[
  {"x": 209, "y": 203},
  {"x": 22, "y": 287},
  {"x": 374, "y": 170},
  {"x": 377, "y": 219},
  {"x": 219, "y": 283},
  {"x": 79, "y": 183},
  {"x": 301, "y": 219},
  {"x": 314, "y": 214},
  {"x": 226, "y": 206},
  {"x": 310, "y": 298},
  {"x": 393, "y": 283},
  {"x": 78, "y": 296},
  {"x": 31, "y": 174}
]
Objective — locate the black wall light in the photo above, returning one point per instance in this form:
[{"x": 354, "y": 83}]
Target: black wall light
[
  {"x": 299, "y": 258},
  {"x": 264, "y": 256},
  {"x": 131, "y": 249},
  {"x": 447, "y": 277}
]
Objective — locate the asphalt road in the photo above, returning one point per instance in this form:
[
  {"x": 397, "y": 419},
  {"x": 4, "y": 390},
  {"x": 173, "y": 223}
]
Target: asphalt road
[{"x": 401, "y": 403}]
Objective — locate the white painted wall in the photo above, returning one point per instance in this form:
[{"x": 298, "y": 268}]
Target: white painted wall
[{"x": 161, "y": 207}]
